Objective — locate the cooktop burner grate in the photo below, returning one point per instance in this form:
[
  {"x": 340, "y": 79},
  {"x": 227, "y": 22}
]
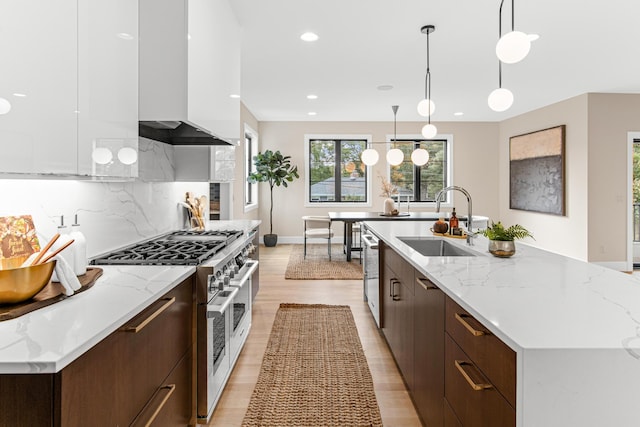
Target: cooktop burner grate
[{"x": 164, "y": 252}]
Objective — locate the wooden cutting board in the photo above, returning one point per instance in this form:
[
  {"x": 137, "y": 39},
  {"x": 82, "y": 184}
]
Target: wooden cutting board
[{"x": 50, "y": 294}]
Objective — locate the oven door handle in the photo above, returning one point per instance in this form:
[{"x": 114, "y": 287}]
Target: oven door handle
[
  {"x": 213, "y": 309},
  {"x": 253, "y": 265}
]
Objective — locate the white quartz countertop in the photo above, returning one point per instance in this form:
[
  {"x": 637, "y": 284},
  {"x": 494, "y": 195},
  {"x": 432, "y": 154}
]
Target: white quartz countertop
[
  {"x": 48, "y": 339},
  {"x": 535, "y": 300}
]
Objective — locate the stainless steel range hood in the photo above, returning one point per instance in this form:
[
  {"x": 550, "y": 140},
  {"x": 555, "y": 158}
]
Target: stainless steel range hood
[{"x": 178, "y": 133}]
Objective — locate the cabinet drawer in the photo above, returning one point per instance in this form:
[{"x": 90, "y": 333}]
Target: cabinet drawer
[
  {"x": 450, "y": 419},
  {"x": 402, "y": 270},
  {"x": 473, "y": 398},
  {"x": 493, "y": 357},
  {"x": 170, "y": 405},
  {"x": 153, "y": 343}
]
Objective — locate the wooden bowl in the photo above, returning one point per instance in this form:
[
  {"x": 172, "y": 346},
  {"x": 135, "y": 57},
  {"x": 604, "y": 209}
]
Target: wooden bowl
[{"x": 20, "y": 284}]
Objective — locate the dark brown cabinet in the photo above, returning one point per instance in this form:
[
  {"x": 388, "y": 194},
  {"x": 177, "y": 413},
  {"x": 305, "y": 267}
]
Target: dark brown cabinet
[
  {"x": 142, "y": 371},
  {"x": 458, "y": 373},
  {"x": 397, "y": 309},
  {"x": 428, "y": 337}
]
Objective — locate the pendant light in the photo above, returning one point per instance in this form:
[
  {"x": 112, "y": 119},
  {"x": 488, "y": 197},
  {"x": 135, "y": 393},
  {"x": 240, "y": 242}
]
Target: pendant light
[
  {"x": 426, "y": 105},
  {"x": 500, "y": 99},
  {"x": 514, "y": 46},
  {"x": 395, "y": 156},
  {"x": 5, "y": 106}
]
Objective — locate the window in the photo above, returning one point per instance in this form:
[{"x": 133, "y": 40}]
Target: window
[
  {"x": 335, "y": 173},
  {"x": 422, "y": 183},
  {"x": 250, "y": 150}
]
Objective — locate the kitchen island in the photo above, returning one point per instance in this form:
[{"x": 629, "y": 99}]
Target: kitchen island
[{"x": 574, "y": 326}]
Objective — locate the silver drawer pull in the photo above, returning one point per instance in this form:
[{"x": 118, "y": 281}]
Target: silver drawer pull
[
  {"x": 471, "y": 329},
  {"x": 475, "y": 386},
  {"x": 140, "y": 326}
]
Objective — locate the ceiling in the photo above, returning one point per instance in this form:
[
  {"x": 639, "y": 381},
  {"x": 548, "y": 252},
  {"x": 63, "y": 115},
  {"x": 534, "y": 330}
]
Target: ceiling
[{"x": 584, "y": 46}]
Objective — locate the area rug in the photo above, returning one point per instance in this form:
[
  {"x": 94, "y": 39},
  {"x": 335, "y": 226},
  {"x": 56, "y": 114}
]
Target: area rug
[
  {"x": 314, "y": 372},
  {"x": 318, "y": 266}
]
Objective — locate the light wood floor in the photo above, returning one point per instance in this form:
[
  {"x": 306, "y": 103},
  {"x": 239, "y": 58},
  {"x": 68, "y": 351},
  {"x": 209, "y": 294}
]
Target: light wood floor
[{"x": 395, "y": 405}]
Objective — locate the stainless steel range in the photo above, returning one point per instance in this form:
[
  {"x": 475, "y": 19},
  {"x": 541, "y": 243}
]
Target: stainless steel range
[{"x": 224, "y": 269}]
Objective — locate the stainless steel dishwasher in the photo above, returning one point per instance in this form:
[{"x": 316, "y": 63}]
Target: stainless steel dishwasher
[{"x": 371, "y": 274}]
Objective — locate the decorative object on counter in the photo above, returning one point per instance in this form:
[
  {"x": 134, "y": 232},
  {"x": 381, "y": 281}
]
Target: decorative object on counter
[
  {"x": 453, "y": 236},
  {"x": 275, "y": 169},
  {"x": 454, "y": 223},
  {"x": 20, "y": 284},
  {"x": 50, "y": 294},
  {"x": 18, "y": 240},
  {"x": 61, "y": 243},
  {"x": 536, "y": 171},
  {"x": 322, "y": 342},
  {"x": 388, "y": 190},
  {"x": 440, "y": 226},
  {"x": 80, "y": 261},
  {"x": 195, "y": 210},
  {"x": 501, "y": 240}
]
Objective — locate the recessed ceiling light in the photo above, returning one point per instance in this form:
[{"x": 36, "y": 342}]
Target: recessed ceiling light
[
  {"x": 458, "y": 113},
  {"x": 234, "y": 96},
  {"x": 312, "y": 96},
  {"x": 312, "y": 113},
  {"x": 19, "y": 95},
  {"x": 385, "y": 87},
  {"x": 533, "y": 37},
  {"x": 125, "y": 36},
  {"x": 309, "y": 37}
]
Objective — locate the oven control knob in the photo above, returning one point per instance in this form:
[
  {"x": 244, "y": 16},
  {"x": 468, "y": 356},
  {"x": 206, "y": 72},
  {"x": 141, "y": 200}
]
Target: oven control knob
[
  {"x": 232, "y": 274},
  {"x": 236, "y": 269},
  {"x": 227, "y": 280},
  {"x": 218, "y": 274},
  {"x": 220, "y": 285}
]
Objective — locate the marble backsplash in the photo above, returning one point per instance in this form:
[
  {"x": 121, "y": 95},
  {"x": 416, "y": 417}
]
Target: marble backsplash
[{"x": 111, "y": 214}]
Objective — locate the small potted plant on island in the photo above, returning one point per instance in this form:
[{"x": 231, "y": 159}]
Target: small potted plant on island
[
  {"x": 277, "y": 170},
  {"x": 501, "y": 240}
]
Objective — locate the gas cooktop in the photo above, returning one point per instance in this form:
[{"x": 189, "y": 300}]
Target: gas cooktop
[{"x": 176, "y": 248}]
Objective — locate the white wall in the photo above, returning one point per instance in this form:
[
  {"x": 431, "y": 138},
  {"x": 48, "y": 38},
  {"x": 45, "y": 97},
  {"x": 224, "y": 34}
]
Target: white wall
[
  {"x": 566, "y": 235},
  {"x": 475, "y": 168}
]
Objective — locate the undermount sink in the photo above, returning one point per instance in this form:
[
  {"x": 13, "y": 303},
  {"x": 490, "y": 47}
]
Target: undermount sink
[{"x": 434, "y": 247}]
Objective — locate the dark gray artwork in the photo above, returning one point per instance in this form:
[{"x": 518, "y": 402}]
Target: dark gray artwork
[{"x": 536, "y": 174}]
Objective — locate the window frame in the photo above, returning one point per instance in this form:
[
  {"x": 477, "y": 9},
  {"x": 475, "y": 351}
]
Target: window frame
[
  {"x": 307, "y": 156},
  {"x": 249, "y": 189},
  {"x": 448, "y": 201}
]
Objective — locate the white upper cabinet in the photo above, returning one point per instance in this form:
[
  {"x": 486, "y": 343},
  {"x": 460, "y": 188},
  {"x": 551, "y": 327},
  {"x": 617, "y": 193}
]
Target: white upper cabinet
[
  {"x": 214, "y": 68},
  {"x": 38, "y": 76},
  {"x": 108, "y": 87},
  {"x": 190, "y": 65},
  {"x": 69, "y": 70}
]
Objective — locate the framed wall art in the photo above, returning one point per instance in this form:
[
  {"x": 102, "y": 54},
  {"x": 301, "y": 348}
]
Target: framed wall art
[{"x": 536, "y": 171}]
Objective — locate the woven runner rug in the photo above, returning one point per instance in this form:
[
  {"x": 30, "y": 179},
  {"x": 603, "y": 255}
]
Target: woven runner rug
[
  {"x": 314, "y": 372},
  {"x": 317, "y": 265}
]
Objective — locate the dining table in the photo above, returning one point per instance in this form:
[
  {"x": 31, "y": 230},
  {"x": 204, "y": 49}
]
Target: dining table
[{"x": 351, "y": 217}]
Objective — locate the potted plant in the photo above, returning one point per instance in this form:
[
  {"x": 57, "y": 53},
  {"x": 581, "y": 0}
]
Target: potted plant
[
  {"x": 501, "y": 240},
  {"x": 277, "y": 170}
]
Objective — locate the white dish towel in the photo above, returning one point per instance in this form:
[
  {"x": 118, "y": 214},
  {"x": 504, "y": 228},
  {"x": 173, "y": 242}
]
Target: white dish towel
[{"x": 66, "y": 276}]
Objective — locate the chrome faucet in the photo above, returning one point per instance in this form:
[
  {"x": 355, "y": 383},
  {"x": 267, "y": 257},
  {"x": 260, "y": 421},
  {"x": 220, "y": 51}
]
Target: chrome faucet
[{"x": 470, "y": 233}]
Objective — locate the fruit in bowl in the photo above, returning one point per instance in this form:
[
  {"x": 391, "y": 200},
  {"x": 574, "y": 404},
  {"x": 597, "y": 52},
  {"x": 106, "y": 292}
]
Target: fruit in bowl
[{"x": 20, "y": 284}]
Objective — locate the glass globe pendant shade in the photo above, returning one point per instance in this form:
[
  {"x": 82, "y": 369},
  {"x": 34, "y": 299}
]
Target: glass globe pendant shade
[
  {"x": 513, "y": 47},
  {"x": 127, "y": 155},
  {"x": 395, "y": 156},
  {"x": 429, "y": 131},
  {"x": 102, "y": 155},
  {"x": 369, "y": 157},
  {"x": 5, "y": 106},
  {"x": 420, "y": 156},
  {"x": 426, "y": 107},
  {"x": 500, "y": 99}
]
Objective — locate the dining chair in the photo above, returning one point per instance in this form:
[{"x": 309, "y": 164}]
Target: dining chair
[{"x": 317, "y": 227}]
